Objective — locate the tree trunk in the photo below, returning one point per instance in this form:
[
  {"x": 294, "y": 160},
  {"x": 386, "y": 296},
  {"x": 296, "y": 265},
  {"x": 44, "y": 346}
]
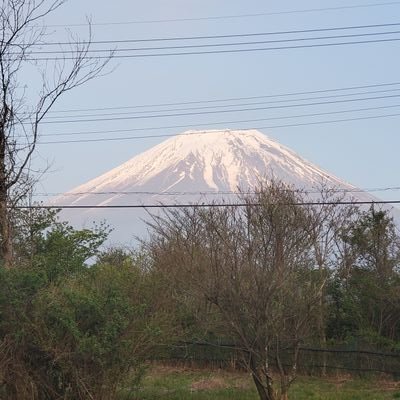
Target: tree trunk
[
  {"x": 285, "y": 395},
  {"x": 321, "y": 320},
  {"x": 322, "y": 333},
  {"x": 264, "y": 393},
  {"x": 6, "y": 248},
  {"x": 6, "y": 254},
  {"x": 285, "y": 383},
  {"x": 6, "y": 251},
  {"x": 263, "y": 381}
]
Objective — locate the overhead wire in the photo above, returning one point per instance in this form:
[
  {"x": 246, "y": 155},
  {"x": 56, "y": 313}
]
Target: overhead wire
[
  {"x": 178, "y": 114},
  {"x": 225, "y": 36},
  {"x": 206, "y": 45},
  {"x": 191, "y": 133},
  {"x": 235, "y": 16},
  {"x": 219, "y": 122},
  {"x": 209, "y": 52},
  {"x": 208, "y": 205},
  {"x": 231, "y": 98},
  {"x": 214, "y": 106},
  {"x": 191, "y": 38},
  {"x": 209, "y": 192}
]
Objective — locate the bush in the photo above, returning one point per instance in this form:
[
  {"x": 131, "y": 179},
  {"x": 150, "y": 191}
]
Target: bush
[{"x": 69, "y": 331}]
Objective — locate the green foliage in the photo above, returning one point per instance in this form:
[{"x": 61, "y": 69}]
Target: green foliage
[
  {"x": 365, "y": 297},
  {"x": 100, "y": 325},
  {"x": 375, "y": 243},
  {"x": 79, "y": 323},
  {"x": 64, "y": 250},
  {"x": 70, "y": 331},
  {"x": 343, "y": 313},
  {"x": 44, "y": 242}
]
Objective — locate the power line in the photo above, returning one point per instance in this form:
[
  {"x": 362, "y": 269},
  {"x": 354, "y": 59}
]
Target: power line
[
  {"x": 220, "y": 111},
  {"x": 221, "y": 17},
  {"x": 214, "y": 106},
  {"x": 213, "y": 37},
  {"x": 206, "y": 45},
  {"x": 191, "y": 53},
  {"x": 231, "y": 98},
  {"x": 207, "y": 205},
  {"x": 217, "y": 193},
  {"x": 185, "y": 134},
  {"x": 222, "y": 122},
  {"x": 226, "y": 36}
]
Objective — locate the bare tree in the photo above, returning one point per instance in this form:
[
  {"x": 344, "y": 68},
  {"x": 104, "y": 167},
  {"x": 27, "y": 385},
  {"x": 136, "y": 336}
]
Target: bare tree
[
  {"x": 256, "y": 266},
  {"x": 21, "y": 34}
]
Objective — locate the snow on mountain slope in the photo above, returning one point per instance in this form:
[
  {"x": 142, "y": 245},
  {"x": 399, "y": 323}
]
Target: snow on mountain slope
[{"x": 188, "y": 167}]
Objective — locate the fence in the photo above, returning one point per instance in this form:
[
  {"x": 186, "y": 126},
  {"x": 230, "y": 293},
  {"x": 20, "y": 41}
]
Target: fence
[{"x": 313, "y": 361}]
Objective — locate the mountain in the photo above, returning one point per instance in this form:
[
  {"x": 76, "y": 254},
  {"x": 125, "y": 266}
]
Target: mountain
[{"x": 193, "y": 166}]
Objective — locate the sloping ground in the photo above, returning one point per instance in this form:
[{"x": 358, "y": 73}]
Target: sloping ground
[{"x": 188, "y": 168}]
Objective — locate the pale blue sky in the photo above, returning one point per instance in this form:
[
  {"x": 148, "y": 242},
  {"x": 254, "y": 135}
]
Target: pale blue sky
[{"x": 363, "y": 152}]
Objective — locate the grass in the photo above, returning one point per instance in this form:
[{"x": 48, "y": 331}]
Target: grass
[
  {"x": 344, "y": 388},
  {"x": 169, "y": 383}
]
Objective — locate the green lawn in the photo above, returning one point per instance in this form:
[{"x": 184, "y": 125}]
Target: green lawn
[{"x": 199, "y": 384}]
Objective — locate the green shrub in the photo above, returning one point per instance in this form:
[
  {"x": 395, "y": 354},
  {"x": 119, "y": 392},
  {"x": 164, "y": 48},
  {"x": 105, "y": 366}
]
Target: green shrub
[{"x": 69, "y": 331}]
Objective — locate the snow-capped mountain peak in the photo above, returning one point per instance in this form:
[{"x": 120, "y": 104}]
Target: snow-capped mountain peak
[
  {"x": 190, "y": 167},
  {"x": 203, "y": 161}
]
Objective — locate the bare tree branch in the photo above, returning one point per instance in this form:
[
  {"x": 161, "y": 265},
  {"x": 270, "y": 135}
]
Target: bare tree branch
[{"x": 22, "y": 28}]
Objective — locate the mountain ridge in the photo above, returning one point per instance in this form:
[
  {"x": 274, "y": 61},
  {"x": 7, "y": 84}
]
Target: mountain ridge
[
  {"x": 194, "y": 166},
  {"x": 218, "y": 160}
]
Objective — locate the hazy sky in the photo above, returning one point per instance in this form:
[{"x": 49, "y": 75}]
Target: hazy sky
[{"x": 363, "y": 152}]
